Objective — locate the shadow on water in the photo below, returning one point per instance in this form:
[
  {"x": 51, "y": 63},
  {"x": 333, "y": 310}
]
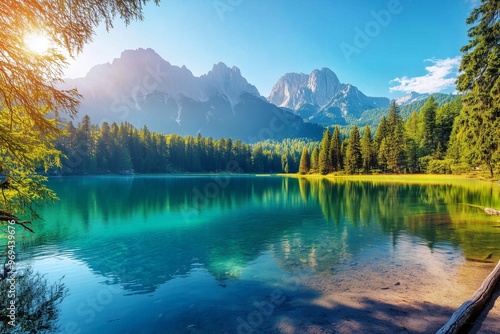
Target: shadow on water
[{"x": 296, "y": 310}]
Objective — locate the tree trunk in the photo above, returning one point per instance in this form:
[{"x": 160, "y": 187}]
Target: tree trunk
[{"x": 465, "y": 315}]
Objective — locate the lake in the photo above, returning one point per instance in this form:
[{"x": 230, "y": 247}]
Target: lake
[{"x": 268, "y": 254}]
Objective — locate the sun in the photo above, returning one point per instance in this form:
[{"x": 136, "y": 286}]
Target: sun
[{"x": 37, "y": 43}]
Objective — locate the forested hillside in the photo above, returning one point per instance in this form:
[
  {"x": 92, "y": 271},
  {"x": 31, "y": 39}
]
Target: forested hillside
[
  {"x": 90, "y": 149},
  {"x": 418, "y": 145},
  {"x": 373, "y": 117}
]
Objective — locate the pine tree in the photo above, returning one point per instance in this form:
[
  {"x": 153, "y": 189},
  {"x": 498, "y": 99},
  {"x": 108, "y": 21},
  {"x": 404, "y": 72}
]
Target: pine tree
[
  {"x": 475, "y": 134},
  {"x": 396, "y": 149},
  {"x": 353, "y": 159},
  {"x": 367, "y": 150},
  {"x": 284, "y": 163},
  {"x": 336, "y": 150},
  {"x": 325, "y": 163},
  {"x": 383, "y": 154},
  {"x": 445, "y": 116},
  {"x": 305, "y": 162},
  {"x": 315, "y": 160},
  {"x": 428, "y": 141},
  {"x": 393, "y": 118},
  {"x": 394, "y": 155},
  {"x": 382, "y": 132}
]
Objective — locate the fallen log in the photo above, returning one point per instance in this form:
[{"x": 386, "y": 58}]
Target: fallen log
[
  {"x": 491, "y": 211},
  {"x": 466, "y": 313}
]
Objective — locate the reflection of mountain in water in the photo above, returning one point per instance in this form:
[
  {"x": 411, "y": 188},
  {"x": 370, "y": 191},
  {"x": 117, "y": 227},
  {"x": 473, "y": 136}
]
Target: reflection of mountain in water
[{"x": 141, "y": 232}]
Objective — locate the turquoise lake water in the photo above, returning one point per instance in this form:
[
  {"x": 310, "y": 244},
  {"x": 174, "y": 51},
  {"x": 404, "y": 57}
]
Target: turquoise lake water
[{"x": 228, "y": 254}]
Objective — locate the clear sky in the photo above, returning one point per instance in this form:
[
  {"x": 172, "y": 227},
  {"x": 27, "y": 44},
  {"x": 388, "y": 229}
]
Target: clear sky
[{"x": 384, "y": 47}]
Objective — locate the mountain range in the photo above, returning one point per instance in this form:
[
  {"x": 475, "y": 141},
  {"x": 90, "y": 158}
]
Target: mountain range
[{"x": 141, "y": 88}]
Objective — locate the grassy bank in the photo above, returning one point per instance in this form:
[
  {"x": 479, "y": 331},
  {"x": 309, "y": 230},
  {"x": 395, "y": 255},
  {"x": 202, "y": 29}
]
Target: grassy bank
[{"x": 399, "y": 178}]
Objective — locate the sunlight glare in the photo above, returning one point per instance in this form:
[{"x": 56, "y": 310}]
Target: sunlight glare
[{"x": 37, "y": 43}]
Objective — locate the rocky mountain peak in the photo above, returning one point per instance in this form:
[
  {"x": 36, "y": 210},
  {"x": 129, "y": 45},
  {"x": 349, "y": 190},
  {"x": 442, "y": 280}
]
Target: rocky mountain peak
[
  {"x": 412, "y": 97},
  {"x": 321, "y": 96}
]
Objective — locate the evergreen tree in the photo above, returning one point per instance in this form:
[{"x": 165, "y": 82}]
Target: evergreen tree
[
  {"x": 325, "y": 163},
  {"x": 305, "y": 162},
  {"x": 475, "y": 132},
  {"x": 315, "y": 160},
  {"x": 412, "y": 155},
  {"x": 353, "y": 159},
  {"x": 284, "y": 163},
  {"x": 383, "y": 155},
  {"x": 258, "y": 159},
  {"x": 382, "y": 132},
  {"x": 393, "y": 118},
  {"x": 428, "y": 141},
  {"x": 445, "y": 116},
  {"x": 413, "y": 127},
  {"x": 396, "y": 149},
  {"x": 336, "y": 150},
  {"x": 367, "y": 150},
  {"x": 394, "y": 152}
]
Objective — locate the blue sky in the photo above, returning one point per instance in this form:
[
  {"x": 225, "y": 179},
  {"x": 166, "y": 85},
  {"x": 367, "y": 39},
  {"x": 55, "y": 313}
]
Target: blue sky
[{"x": 384, "y": 47}]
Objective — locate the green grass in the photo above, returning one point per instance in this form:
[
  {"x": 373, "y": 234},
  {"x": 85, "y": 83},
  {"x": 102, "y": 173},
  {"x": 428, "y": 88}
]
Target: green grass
[{"x": 399, "y": 178}]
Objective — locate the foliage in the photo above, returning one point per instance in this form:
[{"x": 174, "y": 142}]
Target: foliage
[
  {"x": 397, "y": 147},
  {"x": 305, "y": 162},
  {"x": 373, "y": 117},
  {"x": 315, "y": 161},
  {"x": 477, "y": 129},
  {"x": 123, "y": 149},
  {"x": 336, "y": 150},
  {"x": 25, "y": 146},
  {"x": 30, "y": 100},
  {"x": 36, "y": 302},
  {"x": 353, "y": 159},
  {"x": 325, "y": 162},
  {"x": 367, "y": 151}
]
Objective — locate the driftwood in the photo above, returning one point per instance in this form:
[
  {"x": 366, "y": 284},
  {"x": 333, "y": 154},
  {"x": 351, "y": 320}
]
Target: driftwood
[
  {"x": 491, "y": 211},
  {"x": 471, "y": 308},
  {"x": 486, "y": 259}
]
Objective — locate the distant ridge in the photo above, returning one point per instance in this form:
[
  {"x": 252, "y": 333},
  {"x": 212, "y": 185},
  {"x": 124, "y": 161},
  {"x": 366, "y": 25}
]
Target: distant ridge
[{"x": 372, "y": 117}]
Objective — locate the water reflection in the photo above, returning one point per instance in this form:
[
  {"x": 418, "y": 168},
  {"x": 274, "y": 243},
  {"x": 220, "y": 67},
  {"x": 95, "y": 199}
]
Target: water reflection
[
  {"x": 436, "y": 213},
  {"x": 141, "y": 232}
]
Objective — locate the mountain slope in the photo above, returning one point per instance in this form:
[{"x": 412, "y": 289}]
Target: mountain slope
[
  {"x": 321, "y": 98},
  {"x": 412, "y": 97},
  {"x": 372, "y": 117},
  {"x": 143, "y": 89}
]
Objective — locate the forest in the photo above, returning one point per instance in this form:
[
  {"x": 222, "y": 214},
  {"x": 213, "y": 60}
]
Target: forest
[
  {"x": 123, "y": 149},
  {"x": 418, "y": 145}
]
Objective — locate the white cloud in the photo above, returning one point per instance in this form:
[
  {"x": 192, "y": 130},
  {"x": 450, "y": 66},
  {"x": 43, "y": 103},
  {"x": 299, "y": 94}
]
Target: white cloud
[
  {"x": 474, "y": 3},
  {"x": 440, "y": 75}
]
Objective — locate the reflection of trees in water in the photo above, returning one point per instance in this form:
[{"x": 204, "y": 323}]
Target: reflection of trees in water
[
  {"x": 222, "y": 244},
  {"x": 36, "y": 302},
  {"x": 226, "y": 241},
  {"x": 436, "y": 213}
]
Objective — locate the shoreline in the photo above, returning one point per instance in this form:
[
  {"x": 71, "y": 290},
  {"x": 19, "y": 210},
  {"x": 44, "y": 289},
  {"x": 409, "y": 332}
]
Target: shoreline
[
  {"x": 397, "y": 178},
  {"x": 386, "y": 300}
]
